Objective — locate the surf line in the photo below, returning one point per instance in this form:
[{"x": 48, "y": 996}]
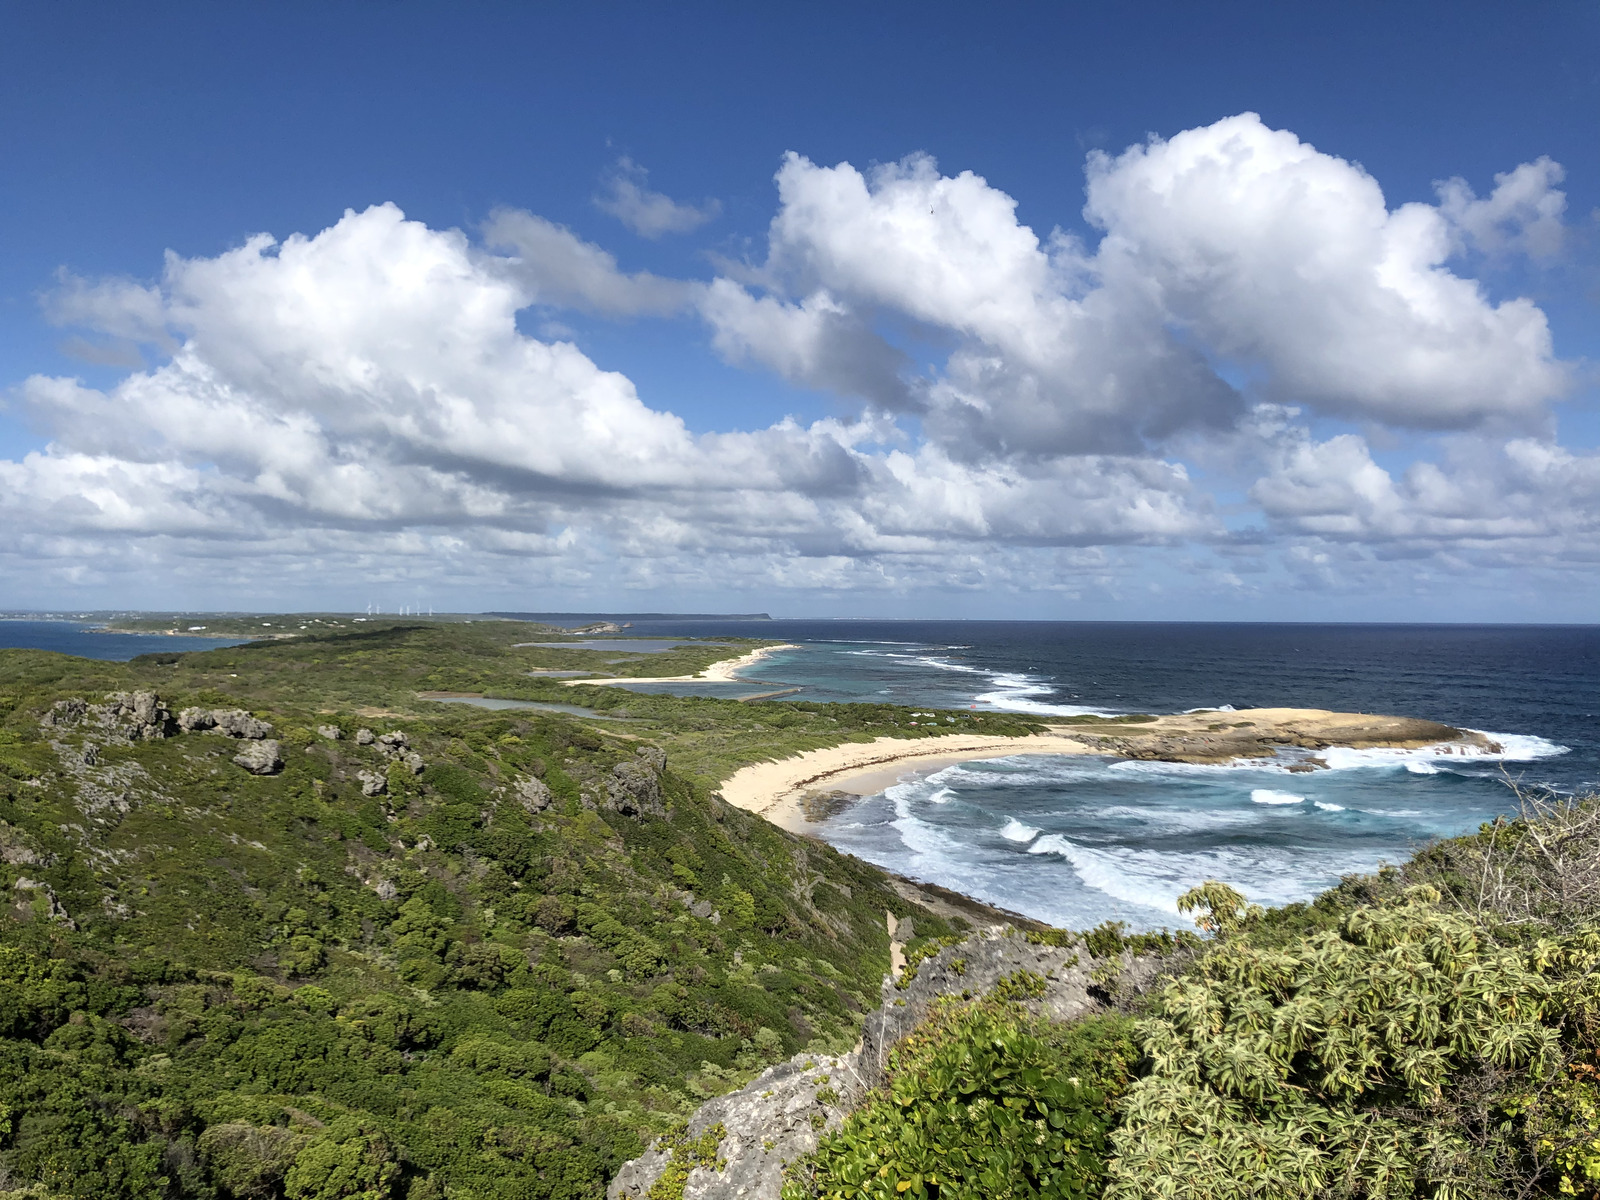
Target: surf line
[{"x": 779, "y": 790}]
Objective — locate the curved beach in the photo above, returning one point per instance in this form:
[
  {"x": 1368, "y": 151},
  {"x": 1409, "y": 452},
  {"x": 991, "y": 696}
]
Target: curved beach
[{"x": 783, "y": 790}]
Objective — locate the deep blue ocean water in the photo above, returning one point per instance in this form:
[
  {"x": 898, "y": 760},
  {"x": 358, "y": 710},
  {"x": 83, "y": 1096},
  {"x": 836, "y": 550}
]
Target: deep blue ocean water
[
  {"x": 1078, "y": 840},
  {"x": 80, "y": 639}
]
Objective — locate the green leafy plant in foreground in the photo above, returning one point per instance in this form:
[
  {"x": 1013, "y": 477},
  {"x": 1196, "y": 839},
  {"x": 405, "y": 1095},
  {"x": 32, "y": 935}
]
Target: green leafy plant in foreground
[
  {"x": 1344, "y": 1064},
  {"x": 982, "y": 1100}
]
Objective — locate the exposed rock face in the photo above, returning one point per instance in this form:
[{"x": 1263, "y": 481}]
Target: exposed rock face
[
  {"x": 365, "y": 737},
  {"x": 64, "y": 714},
  {"x": 373, "y": 783},
  {"x": 769, "y": 1122},
  {"x": 414, "y": 763},
  {"x": 779, "y": 1117},
  {"x": 332, "y": 732},
  {"x": 137, "y": 716},
  {"x": 233, "y": 722},
  {"x": 533, "y": 793},
  {"x": 634, "y": 789},
  {"x": 260, "y": 758}
]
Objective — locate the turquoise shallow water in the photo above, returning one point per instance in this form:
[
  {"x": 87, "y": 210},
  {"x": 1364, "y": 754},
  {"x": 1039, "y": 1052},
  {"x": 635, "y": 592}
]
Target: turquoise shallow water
[{"x": 1079, "y": 840}]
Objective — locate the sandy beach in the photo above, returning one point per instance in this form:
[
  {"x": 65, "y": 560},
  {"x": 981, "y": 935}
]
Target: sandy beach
[
  {"x": 783, "y": 791},
  {"x": 724, "y": 670}
]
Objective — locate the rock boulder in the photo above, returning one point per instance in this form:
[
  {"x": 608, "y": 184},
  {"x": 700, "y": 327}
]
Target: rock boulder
[
  {"x": 231, "y": 722},
  {"x": 260, "y": 757}
]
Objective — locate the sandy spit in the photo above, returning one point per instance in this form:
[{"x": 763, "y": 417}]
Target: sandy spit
[{"x": 723, "y": 671}]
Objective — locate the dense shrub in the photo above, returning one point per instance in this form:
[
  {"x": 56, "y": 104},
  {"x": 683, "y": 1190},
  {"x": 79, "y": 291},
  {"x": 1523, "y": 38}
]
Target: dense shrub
[{"x": 983, "y": 1100}]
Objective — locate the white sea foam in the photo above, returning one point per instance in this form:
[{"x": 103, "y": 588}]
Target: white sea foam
[
  {"x": 1176, "y": 820},
  {"x": 1327, "y": 806},
  {"x": 942, "y": 796},
  {"x": 1016, "y": 831},
  {"x": 1142, "y": 767},
  {"x": 1109, "y": 872},
  {"x": 1017, "y": 692},
  {"x": 1513, "y": 747},
  {"x": 1155, "y": 879},
  {"x": 918, "y": 836},
  {"x": 1268, "y": 796}
]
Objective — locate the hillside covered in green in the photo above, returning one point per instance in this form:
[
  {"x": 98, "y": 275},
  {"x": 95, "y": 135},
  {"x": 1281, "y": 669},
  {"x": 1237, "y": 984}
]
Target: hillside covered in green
[{"x": 277, "y": 927}]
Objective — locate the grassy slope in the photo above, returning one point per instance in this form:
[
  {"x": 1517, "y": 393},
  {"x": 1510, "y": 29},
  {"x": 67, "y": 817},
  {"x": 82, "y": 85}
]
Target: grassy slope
[{"x": 241, "y": 1011}]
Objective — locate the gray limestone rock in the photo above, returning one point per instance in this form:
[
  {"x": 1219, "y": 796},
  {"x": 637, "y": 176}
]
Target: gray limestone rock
[
  {"x": 232, "y": 722},
  {"x": 777, "y": 1117},
  {"x": 332, "y": 732},
  {"x": 138, "y": 716},
  {"x": 365, "y": 737},
  {"x": 634, "y": 789},
  {"x": 64, "y": 714},
  {"x": 260, "y": 758},
  {"x": 373, "y": 783},
  {"x": 414, "y": 763},
  {"x": 533, "y": 793}
]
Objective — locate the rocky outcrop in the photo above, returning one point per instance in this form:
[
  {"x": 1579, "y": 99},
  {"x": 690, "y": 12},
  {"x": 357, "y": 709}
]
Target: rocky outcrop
[
  {"x": 260, "y": 758},
  {"x": 373, "y": 783},
  {"x": 395, "y": 747},
  {"x": 1222, "y": 736},
  {"x": 780, "y": 1115},
  {"x": 64, "y": 714},
  {"x": 634, "y": 789},
  {"x": 332, "y": 732},
  {"x": 231, "y": 722},
  {"x": 535, "y": 795},
  {"x": 365, "y": 737},
  {"x": 136, "y": 716}
]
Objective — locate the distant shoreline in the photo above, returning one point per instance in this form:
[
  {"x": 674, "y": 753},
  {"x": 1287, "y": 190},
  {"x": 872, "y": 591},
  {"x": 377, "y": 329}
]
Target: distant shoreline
[{"x": 724, "y": 670}]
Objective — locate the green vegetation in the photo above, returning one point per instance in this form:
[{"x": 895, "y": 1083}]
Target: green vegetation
[
  {"x": 982, "y": 1100},
  {"x": 497, "y": 970}
]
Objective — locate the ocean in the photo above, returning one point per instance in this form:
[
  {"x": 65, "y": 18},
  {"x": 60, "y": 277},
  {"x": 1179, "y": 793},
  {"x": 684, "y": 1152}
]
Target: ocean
[{"x": 1079, "y": 840}]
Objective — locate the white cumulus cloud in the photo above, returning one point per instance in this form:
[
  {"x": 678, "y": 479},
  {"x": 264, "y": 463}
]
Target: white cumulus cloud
[{"x": 362, "y": 402}]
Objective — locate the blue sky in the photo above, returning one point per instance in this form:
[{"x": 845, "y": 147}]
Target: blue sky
[{"x": 1101, "y": 428}]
